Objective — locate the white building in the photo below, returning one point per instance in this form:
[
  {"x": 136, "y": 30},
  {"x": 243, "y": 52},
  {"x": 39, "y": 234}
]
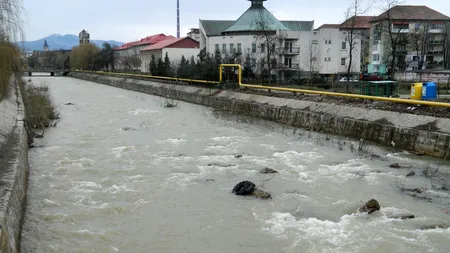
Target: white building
[
  {"x": 294, "y": 48},
  {"x": 406, "y": 23},
  {"x": 175, "y": 48},
  {"x": 333, "y": 45},
  {"x": 194, "y": 34}
]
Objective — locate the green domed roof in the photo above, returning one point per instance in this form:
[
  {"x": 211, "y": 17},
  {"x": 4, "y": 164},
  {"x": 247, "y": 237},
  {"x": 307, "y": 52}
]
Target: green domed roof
[{"x": 256, "y": 18}]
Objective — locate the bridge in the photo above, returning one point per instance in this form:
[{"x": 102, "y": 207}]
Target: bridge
[{"x": 52, "y": 72}]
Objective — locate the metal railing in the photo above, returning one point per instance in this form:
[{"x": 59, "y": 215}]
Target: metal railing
[{"x": 270, "y": 88}]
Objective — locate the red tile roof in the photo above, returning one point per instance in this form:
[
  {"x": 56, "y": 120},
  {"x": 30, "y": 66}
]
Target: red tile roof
[
  {"x": 150, "y": 40},
  {"x": 329, "y": 26},
  {"x": 411, "y": 12},
  {"x": 358, "y": 22},
  {"x": 168, "y": 42}
]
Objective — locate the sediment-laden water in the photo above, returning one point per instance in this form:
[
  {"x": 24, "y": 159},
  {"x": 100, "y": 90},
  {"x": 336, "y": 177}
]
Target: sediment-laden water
[{"x": 121, "y": 173}]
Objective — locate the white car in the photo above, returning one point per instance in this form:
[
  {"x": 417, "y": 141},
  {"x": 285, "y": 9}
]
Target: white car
[{"x": 351, "y": 80}]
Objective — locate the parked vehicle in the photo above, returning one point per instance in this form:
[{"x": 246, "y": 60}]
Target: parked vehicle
[
  {"x": 371, "y": 77},
  {"x": 351, "y": 79}
]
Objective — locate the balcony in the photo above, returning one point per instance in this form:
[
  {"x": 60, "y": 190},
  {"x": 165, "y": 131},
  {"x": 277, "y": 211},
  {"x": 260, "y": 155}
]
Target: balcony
[
  {"x": 289, "y": 50},
  {"x": 438, "y": 30},
  {"x": 436, "y": 42},
  {"x": 435, "y": 52},
  {"x": 292, "y": 66}
]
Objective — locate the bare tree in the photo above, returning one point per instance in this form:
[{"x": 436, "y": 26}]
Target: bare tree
[
  {"x": 354, "y": 34},
  {"x": 312, "y": 59},
  {"x": 420, "y": 38},
  {"x": 269, "y": 40},
  {"x": 397, "y": 40},
  {"x": 446, "y": 49},
  {"x": 131, "y": 60}
]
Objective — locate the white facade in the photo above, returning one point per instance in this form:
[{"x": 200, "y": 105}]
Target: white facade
[
  {"x": 320, "y": 51},
  {"x": 335, "y": 51},
  {"x": 175, "y": 55}
]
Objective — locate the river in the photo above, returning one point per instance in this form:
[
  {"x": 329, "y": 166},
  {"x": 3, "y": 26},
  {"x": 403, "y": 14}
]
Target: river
[{"x": 121, "y": 173}]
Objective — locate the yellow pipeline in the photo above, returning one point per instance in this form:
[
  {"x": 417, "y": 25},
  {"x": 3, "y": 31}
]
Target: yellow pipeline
[{"x": 251, "y": 86}]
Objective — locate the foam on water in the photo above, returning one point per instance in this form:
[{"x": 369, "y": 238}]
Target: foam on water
[{"x": 142, "y": 111}]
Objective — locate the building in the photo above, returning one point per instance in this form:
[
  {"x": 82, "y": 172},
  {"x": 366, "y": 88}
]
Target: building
[
  {"x": 84, "y": 37},
  {"x": 45, "y": 46},
  {"x": 258, "y": 40},
  {"x": 360, "y": 26},
  {"x": 194, "y": 34},
  {"x": 175, "y": 48},
  {"x": 418, "y": 34},
  {"x": 133, "y": 49}
]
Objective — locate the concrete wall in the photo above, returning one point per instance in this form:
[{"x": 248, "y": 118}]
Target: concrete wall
[
  {"x": 381, "y": 127},
  {"x": 13, "y": 169}
]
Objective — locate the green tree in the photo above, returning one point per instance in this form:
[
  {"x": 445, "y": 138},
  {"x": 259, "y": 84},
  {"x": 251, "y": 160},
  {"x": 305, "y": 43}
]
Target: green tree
[
  {"x": 183, "y": 69},
  {"x": 161, "y": 68},
  {"x": 167, "y": 67},
  {"x": 153, "y": 67}
]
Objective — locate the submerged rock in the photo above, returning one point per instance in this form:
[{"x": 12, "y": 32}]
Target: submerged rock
[
  {"x": 403, "y": 217},
  {"x": 261, "y": 194},
  {"x": 395, "y": 166},
  {"x": 69, "y": 103},
  {"x": 411, "y": 174},
  {"x": 247, "y": 188},
  {"x": 238, "y": 156},
  {"x": 370, "y": 207},
  {"x": 268, "y": 171}
]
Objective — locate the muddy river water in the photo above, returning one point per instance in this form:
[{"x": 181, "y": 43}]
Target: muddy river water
[{"x": 121, "y": 173}]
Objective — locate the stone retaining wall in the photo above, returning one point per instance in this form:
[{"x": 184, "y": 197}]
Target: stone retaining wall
[
  {"x": 424, "y": 134},
  {"x": 13, "y": 169}
]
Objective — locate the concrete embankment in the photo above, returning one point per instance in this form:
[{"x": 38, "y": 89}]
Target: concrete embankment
[
  {"x": 423, "y": 134},
  {"x": 13, "y": 169}
]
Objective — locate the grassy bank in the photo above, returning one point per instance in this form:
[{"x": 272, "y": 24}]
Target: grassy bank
[{"x": 40, "y": 111}]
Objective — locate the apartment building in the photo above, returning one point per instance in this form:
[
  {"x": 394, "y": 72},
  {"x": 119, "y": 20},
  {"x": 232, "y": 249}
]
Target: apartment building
[
  {"x": 416, "y": 32},
  {"x": 294, "y": 47}
]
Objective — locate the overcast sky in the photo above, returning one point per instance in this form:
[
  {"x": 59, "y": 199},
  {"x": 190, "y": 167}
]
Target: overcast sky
[{"x": 128, "y": 20}]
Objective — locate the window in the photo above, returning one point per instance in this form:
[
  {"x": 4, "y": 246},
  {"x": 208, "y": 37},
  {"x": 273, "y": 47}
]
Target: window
[
  {"x": 375, "y": 57},
  {"x": 254, "y": 48},
  {"x": 375, "y": 47},
  {"x": 344, "y": 45},
  {"x": 401, "y": 26},
  {"x": 438, "y": 26},
  {"x": 239, "y": 49},
  {"x": 263, "y": 48},
  {"x": 327, "y": 59},
  {"x": 327, "y": 41},
  {"x": 415, "y": 58},
  {"x": 224, "y": 48},
  {"x": 273, "y": 48},
  {"x": 231, "y": 48},
  {"x": 343, "y": 61},
  {"x": 217, "y": 48},
  {"x": 288, "y": 62},
  {"x": 417, "y": 26},
  {"x": 254, "y": 62}
]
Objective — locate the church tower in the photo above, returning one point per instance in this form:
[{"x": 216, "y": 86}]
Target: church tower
[{"x": 45, "y": 45}]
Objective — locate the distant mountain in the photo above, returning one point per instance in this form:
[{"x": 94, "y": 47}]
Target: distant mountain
[{"x": 58, "y": 41}]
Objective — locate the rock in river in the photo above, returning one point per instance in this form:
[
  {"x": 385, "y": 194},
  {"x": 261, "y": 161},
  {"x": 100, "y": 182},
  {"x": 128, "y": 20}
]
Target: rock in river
[
  {"x": 370, "y": 207},
  {"x": 268, "y": 171},
  {"x": 248, "y": 188}
]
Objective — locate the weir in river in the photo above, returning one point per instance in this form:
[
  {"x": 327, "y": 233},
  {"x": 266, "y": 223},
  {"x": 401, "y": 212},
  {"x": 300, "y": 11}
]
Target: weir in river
[{"x": 123, "y": 173}]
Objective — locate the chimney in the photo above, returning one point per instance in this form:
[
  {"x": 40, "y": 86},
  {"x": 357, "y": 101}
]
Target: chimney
[{"x": 178, "y": 18}]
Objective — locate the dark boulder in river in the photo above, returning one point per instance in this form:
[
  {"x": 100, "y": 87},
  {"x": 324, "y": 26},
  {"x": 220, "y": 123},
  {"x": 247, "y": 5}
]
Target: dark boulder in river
[
  {"x": 247, "y": 188},
  {"x": 370, "y": 207}
]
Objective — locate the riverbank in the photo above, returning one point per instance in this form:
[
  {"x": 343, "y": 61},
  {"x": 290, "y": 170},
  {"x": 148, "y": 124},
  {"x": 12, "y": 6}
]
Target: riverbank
[
  {"x": 420, "y": 134},
  {"x": 13, "y": 168}
]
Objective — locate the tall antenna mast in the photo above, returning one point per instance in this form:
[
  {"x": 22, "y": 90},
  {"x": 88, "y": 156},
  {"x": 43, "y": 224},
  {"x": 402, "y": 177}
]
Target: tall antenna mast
[{"x": 178, "y": 18}]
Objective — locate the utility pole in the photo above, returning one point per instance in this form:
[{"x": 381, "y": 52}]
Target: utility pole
[{"x": 178, "y": 18}]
